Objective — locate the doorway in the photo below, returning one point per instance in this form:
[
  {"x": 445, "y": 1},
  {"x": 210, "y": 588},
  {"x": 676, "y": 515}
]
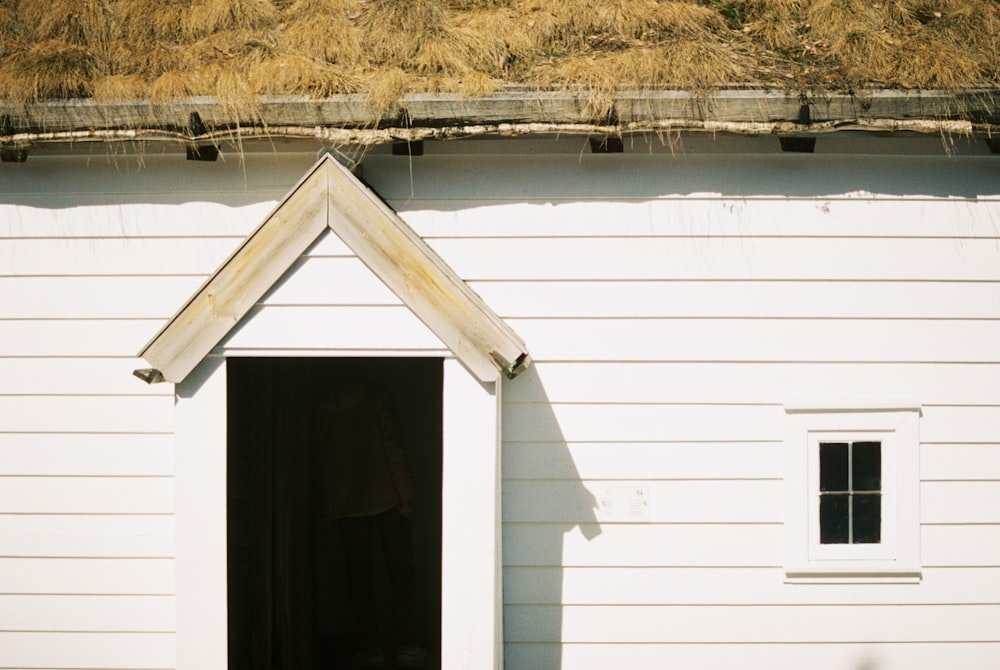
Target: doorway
[{"x": 288, "y": 603}]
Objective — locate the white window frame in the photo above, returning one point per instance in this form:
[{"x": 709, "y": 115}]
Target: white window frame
[{"x": 896, "y": 558}]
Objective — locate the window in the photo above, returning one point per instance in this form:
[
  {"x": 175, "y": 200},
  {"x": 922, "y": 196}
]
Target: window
[{"x": 852, "y": 494}]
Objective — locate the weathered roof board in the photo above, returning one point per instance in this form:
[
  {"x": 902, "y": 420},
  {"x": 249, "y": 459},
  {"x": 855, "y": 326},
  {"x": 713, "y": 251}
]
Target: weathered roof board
[{"x": 331, "y": 196}]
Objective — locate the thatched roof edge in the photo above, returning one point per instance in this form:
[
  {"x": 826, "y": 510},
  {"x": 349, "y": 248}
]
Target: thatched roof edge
[{"x": 351, "y": 118}]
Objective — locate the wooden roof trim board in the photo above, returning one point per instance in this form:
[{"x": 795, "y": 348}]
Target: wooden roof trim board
[
  {"x": 330, "y": 196},
  {"x": 349, "y": 116}
]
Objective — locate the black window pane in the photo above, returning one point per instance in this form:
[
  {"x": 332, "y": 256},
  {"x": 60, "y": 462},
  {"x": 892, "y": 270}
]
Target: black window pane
[
  {"x": 867, "y": 518},
  {"x": 833, "y": 520},
  {"x": 833, "y": 466},
  {"x": 867, "y": 462}
]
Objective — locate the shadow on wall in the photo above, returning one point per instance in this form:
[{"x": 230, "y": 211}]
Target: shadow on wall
[{"x": 544, "y": 500}]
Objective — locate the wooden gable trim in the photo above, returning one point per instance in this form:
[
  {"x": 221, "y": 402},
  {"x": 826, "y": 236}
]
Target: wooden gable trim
[{"x": 330, "y": 196}]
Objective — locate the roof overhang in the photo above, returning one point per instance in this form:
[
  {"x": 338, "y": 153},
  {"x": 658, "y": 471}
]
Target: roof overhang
[{"x": 331, "y": 197}]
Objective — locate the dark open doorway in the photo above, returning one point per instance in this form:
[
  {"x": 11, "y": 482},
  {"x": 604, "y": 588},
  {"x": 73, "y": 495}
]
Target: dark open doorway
[{"x": 288, "y": 596}]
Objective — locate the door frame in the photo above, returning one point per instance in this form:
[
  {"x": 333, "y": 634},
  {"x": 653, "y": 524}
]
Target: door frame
[{"x": 471, "y": 602}]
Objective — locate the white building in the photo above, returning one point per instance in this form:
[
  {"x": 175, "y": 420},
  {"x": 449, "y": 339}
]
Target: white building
[{"x": 705, "y": 318}]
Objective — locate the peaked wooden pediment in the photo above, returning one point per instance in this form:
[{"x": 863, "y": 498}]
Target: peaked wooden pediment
[{"x": 329, "y": 196}]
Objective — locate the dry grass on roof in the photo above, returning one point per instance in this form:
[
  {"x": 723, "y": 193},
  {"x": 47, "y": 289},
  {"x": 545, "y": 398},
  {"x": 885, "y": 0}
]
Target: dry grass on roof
[{"x": 240, "y": 49}]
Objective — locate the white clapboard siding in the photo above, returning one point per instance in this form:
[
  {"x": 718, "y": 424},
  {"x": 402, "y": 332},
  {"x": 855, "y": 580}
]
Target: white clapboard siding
[
  {"x": 757, "y": 624},
  {"x": 538, "y": 422},
  {"x": 807, "y": 340},
  {"x": 754, "y": 656},
  {"x": 86, "y": 495},
  {"x": 85, "y": 536},
  {"x": 71, "y": 613},
  {"x": 964, "y": 544},
  {"x": 763, "y": 381},
  {"x": 960, "y": 423},
  {"x": 665, "y": 585},
  {"x": 613, "y": 460},
  {"x": 681, "y": 545},
  {"x": 678, "y": 216},
  {"x": 960, "y": 461},
  {"x": 133, "y": 256},
  {"x": 389, "y": 328},
  {"x": 58, "y": 575},
  {"x": 330, "y": 281},
  {"x": 128, "y": 220},
  {"x": 94, "y": 297},
  {"x": 74, "y": 376},
  {"x": 960, "y": 502},
  {"x": 76, "y": 338},
  {"x": 740, "y": 501},
  {"x": 87, "y": 651},
  {"x": 742, "y": 299},
  {"x": 657, "y": 258},
  {"x": 62, "y": 454},
  {"x": 86, "y": 414}
]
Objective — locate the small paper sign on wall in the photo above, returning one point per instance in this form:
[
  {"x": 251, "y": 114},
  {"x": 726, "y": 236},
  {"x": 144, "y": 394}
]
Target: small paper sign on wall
[{"x": 623, "y": 503}]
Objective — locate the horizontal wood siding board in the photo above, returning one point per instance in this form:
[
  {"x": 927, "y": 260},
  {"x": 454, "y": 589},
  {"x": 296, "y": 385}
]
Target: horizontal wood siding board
[
  {"x": 573, "y": 502},
  {"x": 87, "y": 651},
  {"x": 95, "y": 297},
  {"x": 772, "y": 258},
  {"x": 964, "y": 544},
  {"x": 74, "y": 376},
  {"x": 86, "y": 536},
  {"x": 86, "y": 495},
  {"x": 960, "y": 423},
  {"x": 960, "y": 461},
  {"x": 76, "y": 338},
  {"x": 785, "y": 299},
  {"x": 111, "y": 576},
  {"x": 767, "y": 382},
  {"x": 756, "y": 656},
  {"x": 627, "y": 460},
  {"x": 86, "y": 454},
  {"x": 86, "y": 414},
  {"x": 74, "y": 613},
  {"x": 740, "y": 340},
  {"x": 329, "y": 281},
  {"x": 750, "y": 624},
  {"x": 704, "y": 215},
  {"x": 960, "y": 502},
  {"x": 656, "y": 585}
]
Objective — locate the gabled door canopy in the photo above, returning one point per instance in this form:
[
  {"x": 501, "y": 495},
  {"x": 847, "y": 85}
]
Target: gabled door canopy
[{"x": 330, "y": 196}]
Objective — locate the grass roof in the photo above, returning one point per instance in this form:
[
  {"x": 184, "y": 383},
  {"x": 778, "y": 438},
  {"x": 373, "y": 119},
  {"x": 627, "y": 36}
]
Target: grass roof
[{"x": 238, "y": 50}]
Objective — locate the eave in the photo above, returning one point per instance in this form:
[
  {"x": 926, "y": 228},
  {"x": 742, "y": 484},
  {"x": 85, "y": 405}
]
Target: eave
[
  {"x": 331, "y": 197},
  {"x": 514, "y": 111}
]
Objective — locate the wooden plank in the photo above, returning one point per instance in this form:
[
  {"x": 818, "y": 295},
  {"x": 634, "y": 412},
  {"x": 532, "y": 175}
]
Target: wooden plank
[
  {"x": 572, "y": 503},
  {"x": 656, "y": 585},
  {"x": 960, "y": 502},
  {"x": 959, "y": 461},
  {"x": 72, "y": 613},
  {"x": 139, "y": 256},
  {"x": 762, "y": 382},
  {"x": 741, "y": 340},
  {"x": 329, "y": 281},
  {"x": 75, "y": 338},
  {"x": 721, "y": 259},
  {"x": 393, "y": 328},
  {"x": 86, "y": 536},
  {"x": 415, "y": 273},
  {"x": 87, "y": 575},
  {"x": 960, "y": 424},
  {"x": 701, "y": 215},
  {"x": 883, "y": 656},
  {"x": 68, "y": 454},
  {"x": 94, "y": 297},
  {"x": 86, "y": 651},
  {"x": 742, "y": 299},
  {"x": 86, "y": 414},
  {"x": 73, "y": 376},
  {"x": 86, "y": 495},
  {"x": 133, "y": 214},
  {"x": 252, "y": 269},
  {"x": 624, "y": 460},
  {"x": 640, "y": 423},
  {"x": 751, "y": 624},
  {"x": 960, "y": 545},
  {"x": 556, "y": 544}
]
